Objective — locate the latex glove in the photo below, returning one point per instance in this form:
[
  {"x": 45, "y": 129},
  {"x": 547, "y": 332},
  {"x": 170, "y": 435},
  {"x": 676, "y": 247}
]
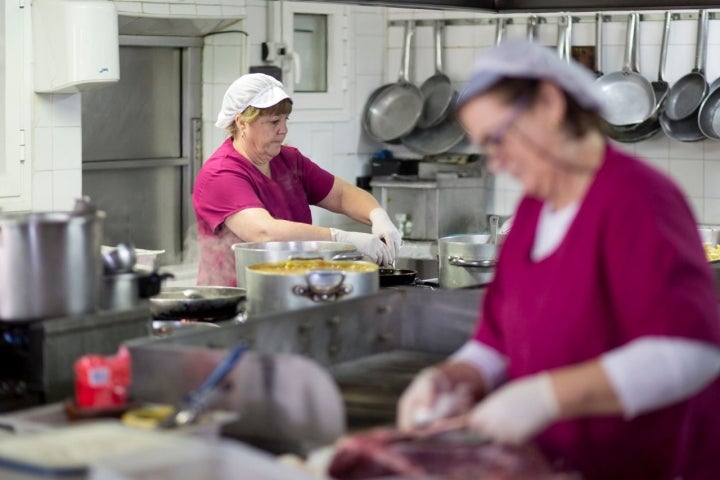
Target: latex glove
[
  {"x": 517, "y": 411},
  {"x": 430, "y": 397},
  {"x": 384, "y": 228},
  {"x": 366, "y": 243}
]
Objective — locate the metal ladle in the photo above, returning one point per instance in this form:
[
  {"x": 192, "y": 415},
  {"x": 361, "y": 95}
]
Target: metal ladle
[{"x": 494, "y": 222}]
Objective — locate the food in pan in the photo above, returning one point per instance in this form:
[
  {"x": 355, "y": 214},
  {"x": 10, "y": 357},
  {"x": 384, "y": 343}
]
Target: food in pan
[
  {"x": 712, "y": 253},
  {"x": 294, "y": 267}
]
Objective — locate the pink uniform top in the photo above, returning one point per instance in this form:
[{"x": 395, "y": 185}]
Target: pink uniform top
[
  {"x": 228, "y": 183},
  {"x": 630, "y": 265}
]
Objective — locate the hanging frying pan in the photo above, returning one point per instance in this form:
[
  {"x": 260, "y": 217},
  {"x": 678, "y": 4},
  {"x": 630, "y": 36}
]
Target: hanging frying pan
[
  {"x": 686, "y": 95},
  {"x": 434, "y": 140},
  {"x": 709, "y": 114},
  {"x": 437, "y": 90},
  {"x": 395, "y": 110},
  {"x": 651, "y": 125},
  {"x": 598, "y": 44},
  {"x": 629, "y": 97}
]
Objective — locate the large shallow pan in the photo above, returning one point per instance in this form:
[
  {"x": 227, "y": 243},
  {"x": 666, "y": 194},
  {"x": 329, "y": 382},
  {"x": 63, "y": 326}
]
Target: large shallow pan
[
  {"x": 395, "y": 110},
  {"x": 629, "y": 97},
  {"x": 686, "y": 95},
  {"x": 709, "y": 113},
  {"x": 435, "y": 140},
  {"x": 437, "y": 90},
  {"x": 196, "y": 302},
  {"x": 390, "y": 277},
  {"x": 651, "y": 125}
]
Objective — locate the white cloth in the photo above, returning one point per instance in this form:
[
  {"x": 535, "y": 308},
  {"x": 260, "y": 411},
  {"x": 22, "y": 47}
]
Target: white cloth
[
  {"x": 384, "y": 228},
  {"x": 518, "y": 410},
  {"x": 654, "y": 372},
  {"x": 254, "y": 89},
  {"x": 551, "y": 229},
  {"x": 366, "y": 243},
  {"x": 488, "y": 362}
]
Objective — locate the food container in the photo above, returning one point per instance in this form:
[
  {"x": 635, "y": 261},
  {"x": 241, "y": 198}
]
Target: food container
[
  {"x": 247, "y": 254},
  {"x": 50, "y": 264},
  {"x": 466, "y": 260},
  {"x": 294, "y": 284}
]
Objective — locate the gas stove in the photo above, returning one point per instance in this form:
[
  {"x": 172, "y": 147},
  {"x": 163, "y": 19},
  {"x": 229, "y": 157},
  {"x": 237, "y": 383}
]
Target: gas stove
[{"x": 36, "y": 358}]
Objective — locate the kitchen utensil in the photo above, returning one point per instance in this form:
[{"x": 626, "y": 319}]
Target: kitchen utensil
[
  {"x": 532, "y": 26},
  {"x": 651, "y": 125},
  {"x": 494, "y": 225},
  {"x": 562, "y": 35},
  {"x": 198, "y": 400},
  {"x": 50, "y": 263},
  {"x": 196, "y": 302},
  {"x": 709, "y": 113},
  {"x": 125, "y": 290},
  {"x": 686, "y": 95},
  {"x": 437, "y": 91},
  {"x": 465, "y": 260},
  {"x": 435, "y": 140},
  {"x": 396, "y": 109},
  {"x": 598, "y": 44},
  {"x": 163, "y": 328},
  {"x": 247, "y": 254},
  {"x": 390, "y": 277},
  {"x": 629, "y": 97},
  {"x": 290, "y": 285}
]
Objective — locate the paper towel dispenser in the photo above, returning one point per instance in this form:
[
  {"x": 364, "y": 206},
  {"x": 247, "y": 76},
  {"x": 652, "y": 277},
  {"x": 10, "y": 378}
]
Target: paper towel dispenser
[{"x": 75, "y": 45}]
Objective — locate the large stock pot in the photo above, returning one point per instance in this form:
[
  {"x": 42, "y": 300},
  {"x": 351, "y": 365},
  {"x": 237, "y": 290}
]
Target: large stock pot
[
  {"x": 466, "y": 260},
  {"x": 50, "y": 264},
  {"x": 247, "y": 254},
  {"x": 295, "y": 284}
]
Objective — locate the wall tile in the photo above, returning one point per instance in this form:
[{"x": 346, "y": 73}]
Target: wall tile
[
  {"x": 711, "y": 187},
  {"x": 42, "y": 191},
  {"x": 43, "y": 110},
  {"x": 67, "y": 110},
  {"x": 711, "y": 149},
  {"x": 183, "y": 9},
  {"x": 67, "y": 148},
  {"x": 42, "y": 149},
  {"x": 209, "y": 10},
  {"x": 67, "y": 186},
  {"x": 227, "y": 64},
  {"x": 689, "y": 175},
  {"x": 657, "y": 146},
  {"x": 128, "y": 7},
  {"x": 686, "y": 149},
  {"x": 711, "y": 211},
  {"x": 155, "y": 8},
  {"x": 697, "y": 204},
  {"x": 662, "y": 164},
  {"x": 233, "y": 11},
  {"x": 365, "y": 63}
]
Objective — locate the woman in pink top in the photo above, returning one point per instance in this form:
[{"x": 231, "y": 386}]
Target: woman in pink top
[
  {"x": 255, "y": 189},
  {"x": 599, "y": 338}
]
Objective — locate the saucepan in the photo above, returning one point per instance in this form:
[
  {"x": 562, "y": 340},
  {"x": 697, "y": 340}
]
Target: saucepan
[{"x": 390, "y": 277}]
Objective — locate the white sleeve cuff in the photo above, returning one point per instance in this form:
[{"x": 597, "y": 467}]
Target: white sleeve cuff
[
  {"x": 489, "y": 363},
  {"x": 654, "y": 372}
]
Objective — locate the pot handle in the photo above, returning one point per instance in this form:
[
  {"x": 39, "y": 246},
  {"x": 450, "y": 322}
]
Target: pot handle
[
  {"x": 323, "y": 286},
  {"x": 461, "y": 262}
]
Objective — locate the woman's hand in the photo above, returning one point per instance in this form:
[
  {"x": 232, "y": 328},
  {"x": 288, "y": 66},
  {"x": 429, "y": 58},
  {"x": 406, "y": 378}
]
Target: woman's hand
[
  {"x": 366, "y": 243},
  {"x": 517, "y": 411},
  {"x": 384, "y": 228}
]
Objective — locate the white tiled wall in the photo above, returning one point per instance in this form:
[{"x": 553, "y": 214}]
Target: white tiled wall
[
  {"x": 342, "y": 147},
  {"x": 695, "y": 166}
]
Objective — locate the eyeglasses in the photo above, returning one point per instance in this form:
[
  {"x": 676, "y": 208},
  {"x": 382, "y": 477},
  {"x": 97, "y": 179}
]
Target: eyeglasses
[{"x": 498, "y": 136}]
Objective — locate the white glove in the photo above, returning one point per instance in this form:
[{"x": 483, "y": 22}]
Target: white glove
[
  {"x": 517, "y": 411},
  {"x": 366, "y": 243},
  {"x": 431, "y": 397},
  {"x": 384, "y": 228}
]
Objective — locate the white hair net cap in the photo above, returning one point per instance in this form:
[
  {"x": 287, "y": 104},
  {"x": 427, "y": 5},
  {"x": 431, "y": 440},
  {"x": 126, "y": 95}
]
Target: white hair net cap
[
  {"x": 254, "y": 89},
  {"x": 523, "y": 59}
]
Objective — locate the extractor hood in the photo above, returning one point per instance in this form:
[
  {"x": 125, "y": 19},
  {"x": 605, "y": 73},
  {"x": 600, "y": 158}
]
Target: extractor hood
[{"x": 538, "y": 5}]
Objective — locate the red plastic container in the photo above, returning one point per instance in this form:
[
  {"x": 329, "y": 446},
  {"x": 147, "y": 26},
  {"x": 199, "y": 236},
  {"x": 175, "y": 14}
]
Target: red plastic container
[{"x": 102, "y": 382}]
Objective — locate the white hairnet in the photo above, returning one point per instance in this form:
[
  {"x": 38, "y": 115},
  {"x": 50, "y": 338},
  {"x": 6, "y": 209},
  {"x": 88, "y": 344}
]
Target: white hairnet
[{"x": 254, "y": 89}]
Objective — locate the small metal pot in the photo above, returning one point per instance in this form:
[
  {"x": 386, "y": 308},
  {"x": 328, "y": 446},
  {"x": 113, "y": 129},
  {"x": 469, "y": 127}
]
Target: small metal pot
[
  {"x": 247, "y": 254},
  {"x": 295, "y": 284},
  {"x": 466, "y": 260}
]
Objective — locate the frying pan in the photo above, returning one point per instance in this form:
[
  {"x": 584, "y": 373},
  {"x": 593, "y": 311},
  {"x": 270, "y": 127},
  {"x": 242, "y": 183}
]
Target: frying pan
[
  {"x": 390, "y": 277},
  {"x": 435, "y": 140},
  {"x": 437, "y": 90},
  {"x": 651, "y": 125},
  {"x": 395, "y": 110},
  {"x": 196, "y": 302},
  {"x": 629, "y": 97},
  {"x": 709, "y": 114},
  {"x": 686, "y": 95}
]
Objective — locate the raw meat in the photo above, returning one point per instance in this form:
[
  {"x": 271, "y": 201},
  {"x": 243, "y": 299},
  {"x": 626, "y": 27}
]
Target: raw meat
[{"x": 451, "y": 456}]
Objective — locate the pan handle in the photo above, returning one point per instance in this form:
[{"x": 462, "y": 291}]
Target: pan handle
[
  {"x": 461, "y": 262},
  {"x": 629, "y": 62},
  {"x": 500, "y": 32},
  {"x": 407, "y": 45},
  {"x": 701, "y": 50},
  {"x": 439, "y": 32},
  {"x": 599, "y": 20},
  {"x": 664, "y": 47}
]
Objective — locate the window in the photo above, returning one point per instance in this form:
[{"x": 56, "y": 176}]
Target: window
[{"x": 316, "y": 70}]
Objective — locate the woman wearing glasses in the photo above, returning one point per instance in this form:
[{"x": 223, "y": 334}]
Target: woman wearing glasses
[{"x": 599, "y": 339}]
